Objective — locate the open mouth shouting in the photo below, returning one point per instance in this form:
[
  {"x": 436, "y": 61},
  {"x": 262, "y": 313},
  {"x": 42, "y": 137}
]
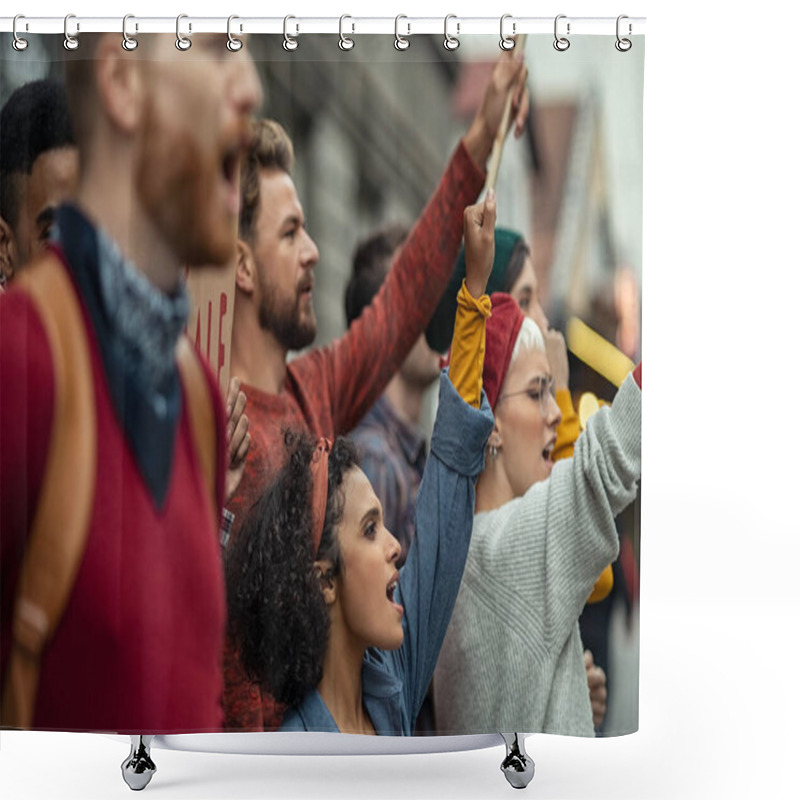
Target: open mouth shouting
[
  {"x": 547, "y": 453},
  {"x": 390, "y": 589}
]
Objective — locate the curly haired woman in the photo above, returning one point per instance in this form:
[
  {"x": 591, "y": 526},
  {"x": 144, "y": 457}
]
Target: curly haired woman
[{"x": 326, "y": 622}]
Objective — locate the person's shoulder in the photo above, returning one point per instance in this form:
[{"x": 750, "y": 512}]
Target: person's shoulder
[
  {"x": 27, "y": 400},
  {"x": 378, "y": 457},
  {"x": 292, "y": 722},
  {"x": 24, "y": 344}
]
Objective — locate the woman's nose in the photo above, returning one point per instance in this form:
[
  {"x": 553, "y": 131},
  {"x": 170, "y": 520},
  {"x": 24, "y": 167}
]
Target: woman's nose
[
  {"x": 554, "y": 417},
  {"x": 394, "y": 548}
]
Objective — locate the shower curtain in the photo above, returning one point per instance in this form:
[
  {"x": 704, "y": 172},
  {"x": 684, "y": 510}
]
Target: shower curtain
[{"x": 536, "y": 627}]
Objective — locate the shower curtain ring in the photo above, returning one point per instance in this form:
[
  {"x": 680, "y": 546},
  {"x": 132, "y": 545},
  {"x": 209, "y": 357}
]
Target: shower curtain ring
[
  {"x": 561, "y": 43},
  {"x": 70, "y": 42},
  {"x": 400, "y": 42},
  {"x": 289, "y": 42},
  {"x": 345, "y": 42},
  {"x": 18, "y": 43},
  {"x": 623, "y": 45},
  {"x": 506, "y": 42},
  {"x": 233, "y": 44},
  {"x": 451, "y": 42},
  {"x": 128, "y": 42},
  {"x": 182, "y": 42}
]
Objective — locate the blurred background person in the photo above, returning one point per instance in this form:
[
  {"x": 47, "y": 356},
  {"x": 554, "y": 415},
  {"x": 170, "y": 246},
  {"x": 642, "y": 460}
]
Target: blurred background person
[
  {"x": 150, "y": 437},
  {"x": 38, "y": 170}
]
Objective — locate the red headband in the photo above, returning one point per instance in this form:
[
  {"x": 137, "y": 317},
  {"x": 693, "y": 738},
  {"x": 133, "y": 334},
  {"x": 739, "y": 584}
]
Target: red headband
[
  {"x": 319, "y": 497},
  {"x": 502, "y": 329}
]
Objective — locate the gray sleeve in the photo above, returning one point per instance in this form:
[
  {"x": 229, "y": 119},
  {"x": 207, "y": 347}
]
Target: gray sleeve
[{"x": 551, "y": 545}]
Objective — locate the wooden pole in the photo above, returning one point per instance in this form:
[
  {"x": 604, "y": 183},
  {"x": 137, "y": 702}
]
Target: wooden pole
[{"x": 502, "y": 131}]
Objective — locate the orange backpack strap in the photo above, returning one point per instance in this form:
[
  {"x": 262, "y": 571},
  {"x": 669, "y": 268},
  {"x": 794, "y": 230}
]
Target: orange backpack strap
[
  {"x": 58, "y": 534},
  {"x": 201, "y": 416}
]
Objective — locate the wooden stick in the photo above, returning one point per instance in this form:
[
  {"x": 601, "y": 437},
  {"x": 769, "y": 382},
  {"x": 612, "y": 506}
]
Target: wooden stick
[{"x": 502, "y": 131}]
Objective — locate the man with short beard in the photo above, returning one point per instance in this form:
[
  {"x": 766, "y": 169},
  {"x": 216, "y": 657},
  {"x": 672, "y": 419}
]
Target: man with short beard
[
  {"x": 327, "y": 391},
  {"x": 160, "y": 135}
]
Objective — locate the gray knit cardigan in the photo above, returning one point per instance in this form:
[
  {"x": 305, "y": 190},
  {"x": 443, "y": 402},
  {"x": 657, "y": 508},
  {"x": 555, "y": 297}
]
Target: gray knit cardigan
[{"x": 512, "y": 660}]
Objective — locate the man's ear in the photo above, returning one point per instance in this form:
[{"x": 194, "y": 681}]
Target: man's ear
[
  {"x": 324, "y": 573},
  {"x": 8, "y": 251},
  {"x": 245, "y": 267},
  {"x": 121, "y": 83}
]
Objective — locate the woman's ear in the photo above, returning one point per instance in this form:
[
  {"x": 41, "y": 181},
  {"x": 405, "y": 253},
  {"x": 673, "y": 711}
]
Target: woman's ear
[
  {"x": 324, "y": 573},
  {"x": 495, "y": 438}
]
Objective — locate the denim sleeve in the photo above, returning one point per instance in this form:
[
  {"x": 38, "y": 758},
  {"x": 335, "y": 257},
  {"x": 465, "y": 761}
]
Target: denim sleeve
[{"x": 431, "y": 577}]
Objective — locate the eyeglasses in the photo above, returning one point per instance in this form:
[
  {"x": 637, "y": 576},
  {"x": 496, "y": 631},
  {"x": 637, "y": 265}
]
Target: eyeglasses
[{"x": 541, "y": 390}]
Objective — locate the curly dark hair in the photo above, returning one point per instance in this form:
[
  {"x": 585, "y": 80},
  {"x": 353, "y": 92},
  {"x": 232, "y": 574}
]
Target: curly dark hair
[{"x": 276, "y": 609}]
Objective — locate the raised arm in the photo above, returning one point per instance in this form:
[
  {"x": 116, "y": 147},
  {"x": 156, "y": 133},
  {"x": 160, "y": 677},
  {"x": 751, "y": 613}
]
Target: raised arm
[
  {"x": 363, "y": 361},
  {"x": 430, "y": 580},
  {"x": 558, "y": 537}
]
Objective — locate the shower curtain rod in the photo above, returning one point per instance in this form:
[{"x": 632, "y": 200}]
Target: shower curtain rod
[{"x": 296, "y": 25}]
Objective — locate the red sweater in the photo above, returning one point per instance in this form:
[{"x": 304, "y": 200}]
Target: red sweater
[
  {"x": 328, "y": 391},
  {"x": 139, "y": 646}
]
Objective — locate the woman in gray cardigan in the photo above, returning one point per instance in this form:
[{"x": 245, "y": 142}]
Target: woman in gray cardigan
[{"x": 512, "y": 659}]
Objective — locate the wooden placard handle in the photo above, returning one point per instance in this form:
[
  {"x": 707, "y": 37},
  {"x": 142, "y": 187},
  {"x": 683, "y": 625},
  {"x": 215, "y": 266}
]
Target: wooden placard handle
[{"x": 502, "y": 131}]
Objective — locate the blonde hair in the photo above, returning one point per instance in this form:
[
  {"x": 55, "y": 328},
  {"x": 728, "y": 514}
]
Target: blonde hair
[{"x": 529, "y": 338}]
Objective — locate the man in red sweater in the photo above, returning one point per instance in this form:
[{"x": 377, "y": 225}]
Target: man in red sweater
[
  {"x": 160, "y": 135},
  {"x": 327, "y": 391}
]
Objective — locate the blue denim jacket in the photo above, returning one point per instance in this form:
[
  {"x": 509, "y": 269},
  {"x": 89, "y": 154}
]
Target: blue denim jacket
[{"x": 394, "y": 683}]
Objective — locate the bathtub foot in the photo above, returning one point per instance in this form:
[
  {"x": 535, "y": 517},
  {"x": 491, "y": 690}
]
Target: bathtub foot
[
  {"x": 517, "y": 766},
  {"x": 138, "y": 768}
]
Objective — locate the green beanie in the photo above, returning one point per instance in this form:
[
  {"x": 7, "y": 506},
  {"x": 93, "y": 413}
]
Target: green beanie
[{"x": 439, "y": 332}]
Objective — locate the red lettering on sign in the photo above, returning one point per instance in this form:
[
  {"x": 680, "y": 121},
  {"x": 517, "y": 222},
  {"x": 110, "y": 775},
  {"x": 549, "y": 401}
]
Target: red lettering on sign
[
  {"x": 223, "y": 307},
  {"x": 208, "y": 338}
]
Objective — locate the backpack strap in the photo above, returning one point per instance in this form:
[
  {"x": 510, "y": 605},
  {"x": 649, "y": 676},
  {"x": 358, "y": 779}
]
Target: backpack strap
[
  {"x": 58, "y": 534},
  {"x": 197, "y": 395}
]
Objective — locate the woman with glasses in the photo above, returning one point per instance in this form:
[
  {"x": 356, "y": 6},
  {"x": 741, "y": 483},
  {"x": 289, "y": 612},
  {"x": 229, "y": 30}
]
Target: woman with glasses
[
  {"x": 513, "y": 659},
  {"x": 513, "y": 273}
]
